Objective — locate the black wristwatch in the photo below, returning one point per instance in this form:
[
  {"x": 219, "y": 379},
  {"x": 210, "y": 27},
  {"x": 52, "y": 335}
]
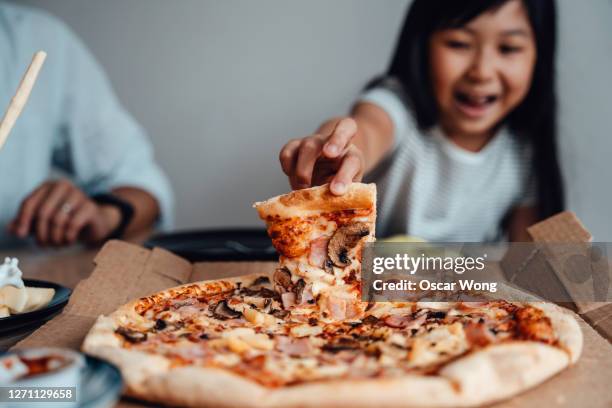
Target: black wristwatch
[{"x": 125, "y": 208}]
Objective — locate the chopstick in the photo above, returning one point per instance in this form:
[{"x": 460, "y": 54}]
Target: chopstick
[{"x": 21, "y": 96}]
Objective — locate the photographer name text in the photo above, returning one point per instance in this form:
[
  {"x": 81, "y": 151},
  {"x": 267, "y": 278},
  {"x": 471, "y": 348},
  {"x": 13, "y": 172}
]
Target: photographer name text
[{"x": 424, "y": 284}]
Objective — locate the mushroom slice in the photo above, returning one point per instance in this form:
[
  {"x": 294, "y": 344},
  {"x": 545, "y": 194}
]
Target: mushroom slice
[
  {"x": 130, "y": 335},
  {"x": 261, "y": 303},
  {"x": 298, "y": 289},
  {"x": 222, "y": 311},
  {"x": 281, "y": 314},
  {"x": 329, "y": 266},
  {"x": 341, "y": 345},
  {"x": 282, "y": 279},
  {"x": 370, "y": 319},
  {"x": 346, "y": 238},
  {"x": 261, "y": 293},
  {"x": 267, "y": 305},
  {"x": 260, "y": 281}
]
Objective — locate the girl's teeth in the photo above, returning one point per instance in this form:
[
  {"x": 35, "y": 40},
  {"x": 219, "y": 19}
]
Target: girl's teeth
[
  {"x": 480, "y": 101},
  {"x": 475, "y": 100}
]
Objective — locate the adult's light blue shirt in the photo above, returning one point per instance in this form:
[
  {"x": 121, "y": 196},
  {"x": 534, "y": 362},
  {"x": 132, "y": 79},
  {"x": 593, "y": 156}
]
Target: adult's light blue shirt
[{"x": 72, "y": 123}]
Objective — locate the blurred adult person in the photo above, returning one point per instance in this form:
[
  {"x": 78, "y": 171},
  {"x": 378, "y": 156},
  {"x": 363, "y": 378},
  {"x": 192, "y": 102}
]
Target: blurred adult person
[{"x": 77, "y": 167}]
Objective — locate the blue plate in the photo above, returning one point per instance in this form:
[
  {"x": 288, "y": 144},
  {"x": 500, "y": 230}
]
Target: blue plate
[{"x": 101, "y": 384}]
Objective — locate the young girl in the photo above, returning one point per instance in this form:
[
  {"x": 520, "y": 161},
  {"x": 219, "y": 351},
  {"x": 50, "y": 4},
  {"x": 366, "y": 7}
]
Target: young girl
[{"x": 460, "y": 135}]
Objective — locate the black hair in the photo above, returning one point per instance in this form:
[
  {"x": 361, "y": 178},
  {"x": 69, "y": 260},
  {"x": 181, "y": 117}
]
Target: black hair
[{"x": 534, "y": 120}]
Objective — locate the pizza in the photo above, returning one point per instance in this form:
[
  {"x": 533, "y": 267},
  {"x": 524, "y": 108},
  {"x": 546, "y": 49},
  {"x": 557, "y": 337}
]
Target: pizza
[
  {"x": 301, "y": 336},
  {"x": 319, "y": 237}
]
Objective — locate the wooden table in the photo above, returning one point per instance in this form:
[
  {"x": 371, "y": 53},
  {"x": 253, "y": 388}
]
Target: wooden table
[{"x": 66, "y": 267}]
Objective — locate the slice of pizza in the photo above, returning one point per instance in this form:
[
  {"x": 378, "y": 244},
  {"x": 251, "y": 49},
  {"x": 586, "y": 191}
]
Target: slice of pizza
[{"x": 320, "y": 237}]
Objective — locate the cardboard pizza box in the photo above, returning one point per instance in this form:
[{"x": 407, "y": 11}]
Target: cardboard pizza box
[
  {"x": 125, "y": 271},
  {"x": 562, "y": 248}
]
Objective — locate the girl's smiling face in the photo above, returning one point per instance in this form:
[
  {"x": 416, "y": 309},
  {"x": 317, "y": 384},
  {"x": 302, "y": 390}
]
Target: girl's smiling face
[{"x": 480, "y": 72}]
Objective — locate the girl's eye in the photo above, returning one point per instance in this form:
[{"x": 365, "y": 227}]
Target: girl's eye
[
  {"x": 509, "y": 49},
  {"x": 458, "y": 45}
]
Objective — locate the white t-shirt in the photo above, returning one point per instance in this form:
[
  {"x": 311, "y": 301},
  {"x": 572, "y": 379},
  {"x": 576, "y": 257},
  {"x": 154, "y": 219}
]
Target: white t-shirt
[{"x": 431, "y": 188}]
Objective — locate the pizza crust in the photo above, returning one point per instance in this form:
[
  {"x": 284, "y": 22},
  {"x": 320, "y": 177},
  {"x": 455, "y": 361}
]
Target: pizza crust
[
  {"x": 492, "y": 374},
  {"x": 566, "y": 326},
  {"x": 503, "y": 370},
  {"x": 563, "y": 320},
  {"x": 317, "y": 200}
]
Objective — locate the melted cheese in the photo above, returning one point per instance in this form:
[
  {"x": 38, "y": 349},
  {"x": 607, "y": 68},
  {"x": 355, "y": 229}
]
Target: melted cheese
[
  {"x": 438, "y": 345},
  {"x": 260, "y": 319},
  {"x": 242, "y": 339},
  {"x": 305, "y": 330}
]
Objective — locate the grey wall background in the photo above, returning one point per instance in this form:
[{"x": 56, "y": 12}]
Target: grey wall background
[{"x": 221, "y": 85}]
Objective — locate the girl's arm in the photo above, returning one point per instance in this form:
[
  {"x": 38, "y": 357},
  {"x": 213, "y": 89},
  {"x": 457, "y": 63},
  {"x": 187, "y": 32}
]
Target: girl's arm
[
  {"x": 520, "y": 219},
  {"x": 341, "y": 150}
]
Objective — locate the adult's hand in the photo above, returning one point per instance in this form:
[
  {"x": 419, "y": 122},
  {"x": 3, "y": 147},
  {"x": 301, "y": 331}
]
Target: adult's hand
[{"x": 58, "y": 213}]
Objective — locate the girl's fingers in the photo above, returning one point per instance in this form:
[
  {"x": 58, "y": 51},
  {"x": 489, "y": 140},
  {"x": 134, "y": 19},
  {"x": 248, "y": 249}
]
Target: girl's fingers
[
  {"x": 288, "y": 155},
  {"x": 27, "y": 210},
  {"x": 295, "y": 184},
  {"x": 309, "y": 152},
  {"x": 52, "y": 204},
  {"x": 350, "y": 170},
  {"x": 59, "y": 222},
  {"x": 340, "y": 137}
]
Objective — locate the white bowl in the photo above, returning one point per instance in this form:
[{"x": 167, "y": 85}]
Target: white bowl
[{"x": 66, "y": 376}]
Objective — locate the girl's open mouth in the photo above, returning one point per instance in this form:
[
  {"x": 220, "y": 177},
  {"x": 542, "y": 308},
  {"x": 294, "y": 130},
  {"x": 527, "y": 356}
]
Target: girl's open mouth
[{"x": 474, "y": 106}]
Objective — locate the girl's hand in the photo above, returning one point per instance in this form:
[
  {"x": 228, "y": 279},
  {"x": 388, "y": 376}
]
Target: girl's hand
[
  {"x": 58, "y": 213},
  {"x": 325, "y": 157}
]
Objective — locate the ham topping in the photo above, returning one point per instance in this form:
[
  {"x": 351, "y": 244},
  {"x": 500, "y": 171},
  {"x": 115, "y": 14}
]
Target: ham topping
[
  {"x": 405, "y": 321},
  {"x": 336, "y": 307},
  {"x": 318, "y": 252},
  {"x": 288, "y": 299},
  {"x": 478, "y": 334},
  {"x": 294, "y": 347},
  {"x": 307, "y": 296}
]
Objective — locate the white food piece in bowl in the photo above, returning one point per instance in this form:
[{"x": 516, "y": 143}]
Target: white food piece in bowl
[
  {"x": 14, "y": 298},
  {"x": 37, "y": 298},
  {"x": 4, "y": 311},
  {"x": 10, "y": 274}
]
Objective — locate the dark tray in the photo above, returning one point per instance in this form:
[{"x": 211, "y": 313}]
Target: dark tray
[{"x": 243, "y": 244}]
